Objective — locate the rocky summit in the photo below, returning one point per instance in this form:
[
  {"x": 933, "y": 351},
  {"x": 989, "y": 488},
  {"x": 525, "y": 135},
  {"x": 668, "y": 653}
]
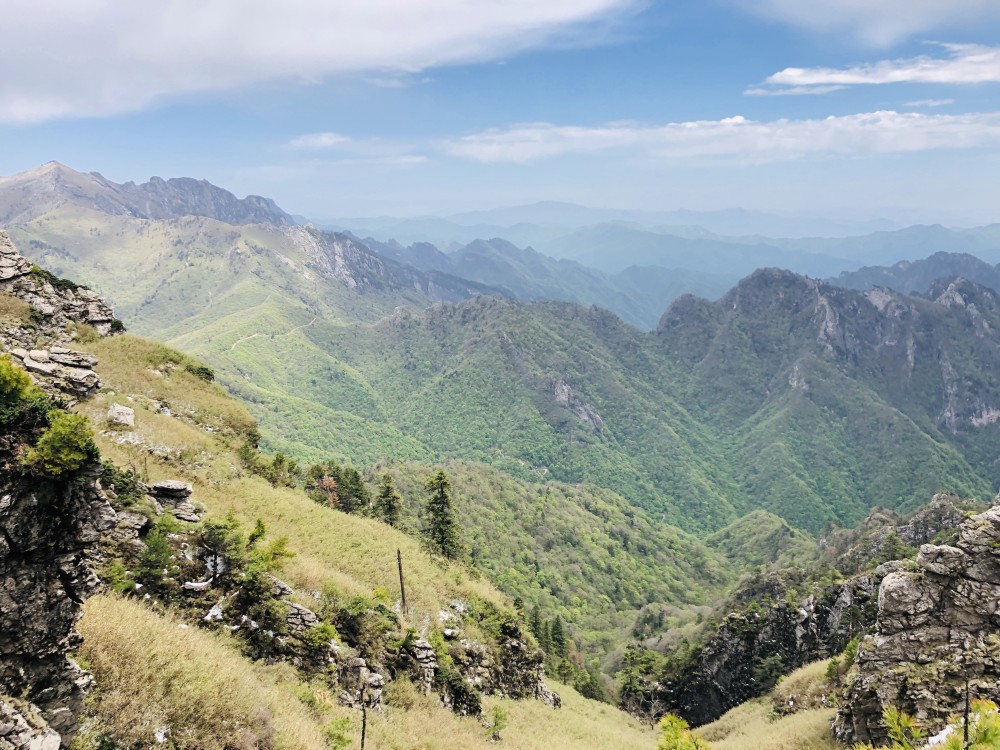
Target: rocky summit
[{"x": 935, "y": 638}]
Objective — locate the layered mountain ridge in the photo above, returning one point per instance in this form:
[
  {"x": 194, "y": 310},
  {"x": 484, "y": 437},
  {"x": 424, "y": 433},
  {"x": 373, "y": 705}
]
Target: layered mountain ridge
[{"x": 27, "y": 195}]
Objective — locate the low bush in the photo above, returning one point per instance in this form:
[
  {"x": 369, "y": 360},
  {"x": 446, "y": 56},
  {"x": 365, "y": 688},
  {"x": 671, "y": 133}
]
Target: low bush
[{"x": 64, "y": 447}]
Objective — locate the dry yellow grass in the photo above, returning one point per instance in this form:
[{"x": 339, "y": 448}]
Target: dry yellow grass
[
  {"x": 13, "y": 311},
  {"x": 151, "y": 672},
  {"x": 154, "y": 675},
  {"x": 580, "y": 724},
  {"x": 148, "y": 370},
  {"x": 806, "y": 687},
  {"x": 753, "y": 726}
]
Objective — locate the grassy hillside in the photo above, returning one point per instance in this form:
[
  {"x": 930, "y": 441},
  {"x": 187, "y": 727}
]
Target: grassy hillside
[{"x": 152, "y": 673}]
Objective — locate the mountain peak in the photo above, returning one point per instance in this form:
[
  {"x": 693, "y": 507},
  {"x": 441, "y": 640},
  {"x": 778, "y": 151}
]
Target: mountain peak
[{"x": 35, "y": 192}]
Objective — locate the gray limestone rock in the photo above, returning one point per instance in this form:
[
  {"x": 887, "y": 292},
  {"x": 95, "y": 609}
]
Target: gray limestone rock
[
  {"x": 175, "y": 495},
  {"x": 122, "y": 416},
  {"x": 937, "y": 627},
  {"x": 57, "y": 305},
  {"x": 50, "y": 530}
]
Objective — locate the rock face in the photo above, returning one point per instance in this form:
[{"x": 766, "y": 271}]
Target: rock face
[
  {"x": 60, "y": 370},
  {"x": 56, "y": 307},
  {"x": 768, "y": 636},
  {"x": 937, "y": 627},
  {"x": 22, "y": 729},
  {"x": 57, "y": 302},
  {"x": 48, "y": 530},
  {"x": 176, "y": 495}
]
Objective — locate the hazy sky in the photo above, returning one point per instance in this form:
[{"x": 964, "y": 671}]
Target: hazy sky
[{"x": 366, "y": 107}]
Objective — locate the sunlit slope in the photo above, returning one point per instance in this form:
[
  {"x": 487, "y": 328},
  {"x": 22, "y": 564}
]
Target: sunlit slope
[
  {"x": 151, "y": 672},
  {"x": 196, "y": 442}
]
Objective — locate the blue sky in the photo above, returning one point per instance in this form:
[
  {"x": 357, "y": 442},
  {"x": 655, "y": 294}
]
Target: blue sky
[{"x": 858, "y": 108}]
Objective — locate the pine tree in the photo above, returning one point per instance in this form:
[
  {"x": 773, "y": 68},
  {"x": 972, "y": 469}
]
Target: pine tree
[
  {"x": 442, "y": 529},
  {"x": 389, "y": 504},
  {"x": 354, "y": 495},
  {"x": 535, "y": 624},
  {"x": 558, "y": 637}
]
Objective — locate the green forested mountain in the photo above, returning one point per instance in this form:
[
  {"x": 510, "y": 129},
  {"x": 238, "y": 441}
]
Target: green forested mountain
[
  {"x": 790, "y": 395},
  {"x": 918, "y": 275},
  {"x": 616, "y": 481}
]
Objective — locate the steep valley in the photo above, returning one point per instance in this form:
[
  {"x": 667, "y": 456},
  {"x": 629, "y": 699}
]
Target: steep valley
[{"x": 614, "y": 487}]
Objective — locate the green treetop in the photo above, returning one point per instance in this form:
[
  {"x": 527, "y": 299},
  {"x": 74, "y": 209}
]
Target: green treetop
[
  {"x": 442, "y": 529},
  {"x": 389, "y": 503}
]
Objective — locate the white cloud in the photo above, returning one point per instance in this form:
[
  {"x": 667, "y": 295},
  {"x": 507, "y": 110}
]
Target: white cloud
[
  {"x": 879, "y": 22},
  {"x": 923, "y": 103},
  {"x": 966, "y": 64},
  {"x": 318, "y": 141},
  {"x": 104, "y": 57},
  {"x": 736, "y": 138},
  {"x": 793, "y": 91}
]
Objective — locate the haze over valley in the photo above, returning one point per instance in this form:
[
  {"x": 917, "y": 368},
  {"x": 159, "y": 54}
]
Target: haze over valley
[{"x": 590, "y": 375}]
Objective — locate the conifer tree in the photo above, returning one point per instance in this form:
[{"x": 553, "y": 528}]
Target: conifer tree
[
  {"x": 442, "y": 529},
  {"x": 535, "y": 623},
  {"x": 354, "y": 495},
  {"x": 558, "y": 638},
  {"x": 388, "y": 504}
]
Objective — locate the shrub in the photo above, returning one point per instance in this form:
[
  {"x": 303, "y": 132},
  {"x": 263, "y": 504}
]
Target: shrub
[
  {"x": 903, "y": 730},
  {"x": 465, "y": 700},
  {"x": 64, "y": 447},
  {"x": 199, "y": 371},
  {"x": 42, "y": 275},
  {"x": 318, "y": 638},
  {"x": 675, "y": 735},
  {"x": 125, "y": 483},
  {"x": 15, "y": 383}
]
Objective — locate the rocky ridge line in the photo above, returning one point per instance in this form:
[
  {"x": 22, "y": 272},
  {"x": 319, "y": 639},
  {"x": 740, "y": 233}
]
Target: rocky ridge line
[{"x": 937, "y": 628}]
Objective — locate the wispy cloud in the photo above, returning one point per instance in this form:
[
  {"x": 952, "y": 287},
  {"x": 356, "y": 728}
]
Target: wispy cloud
[
  {"x": 318, "y": 141},
  {"x": 924, "y": 103},
  {"x": 878, "y": 22},
  {"x": 735, "y": 138},
  {"x": 965, "y": 64},
  {"x": 101, "y": 58},
  {"x": 794, "y": 91}
]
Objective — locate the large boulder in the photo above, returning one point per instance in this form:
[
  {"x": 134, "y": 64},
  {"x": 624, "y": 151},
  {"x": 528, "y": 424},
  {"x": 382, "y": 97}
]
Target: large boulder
[{"x": 937, "y": 630}]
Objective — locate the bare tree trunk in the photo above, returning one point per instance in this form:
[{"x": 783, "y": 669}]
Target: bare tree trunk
[{"x": 402, "y": 587}]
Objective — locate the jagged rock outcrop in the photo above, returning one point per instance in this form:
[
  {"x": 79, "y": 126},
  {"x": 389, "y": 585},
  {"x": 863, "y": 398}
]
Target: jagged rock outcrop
[
  {"x": 48, "y": 529},
  {"x": 21, "y": 728},
  {"x": 61, "y": 370},
  {"x": 753, "y": 647},
  {"x": 424, "y": 664},
  {"x": 937, "y": 627},
  {"x": 56, "y": 307},
  {"x": 57, "y": 302},
  {"x": 176, "y": 495},
  {"x": 769, "y": 636},
  {"x": 361, "y": 685}
]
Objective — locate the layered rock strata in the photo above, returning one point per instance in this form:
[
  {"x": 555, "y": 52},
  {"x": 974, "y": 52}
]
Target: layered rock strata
[{"x": 937, "y": 631}]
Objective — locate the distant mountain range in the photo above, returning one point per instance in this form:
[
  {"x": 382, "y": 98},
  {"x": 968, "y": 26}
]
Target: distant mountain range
[
  {"x": 558, "y": 217},
  {"x": 30, "y": 194},
  {"x": 639, "y": 294},
  {"x": 919, "y": 275},
  {"x": 796, "y": 402},
  {"x": 342, "y": 350}
]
